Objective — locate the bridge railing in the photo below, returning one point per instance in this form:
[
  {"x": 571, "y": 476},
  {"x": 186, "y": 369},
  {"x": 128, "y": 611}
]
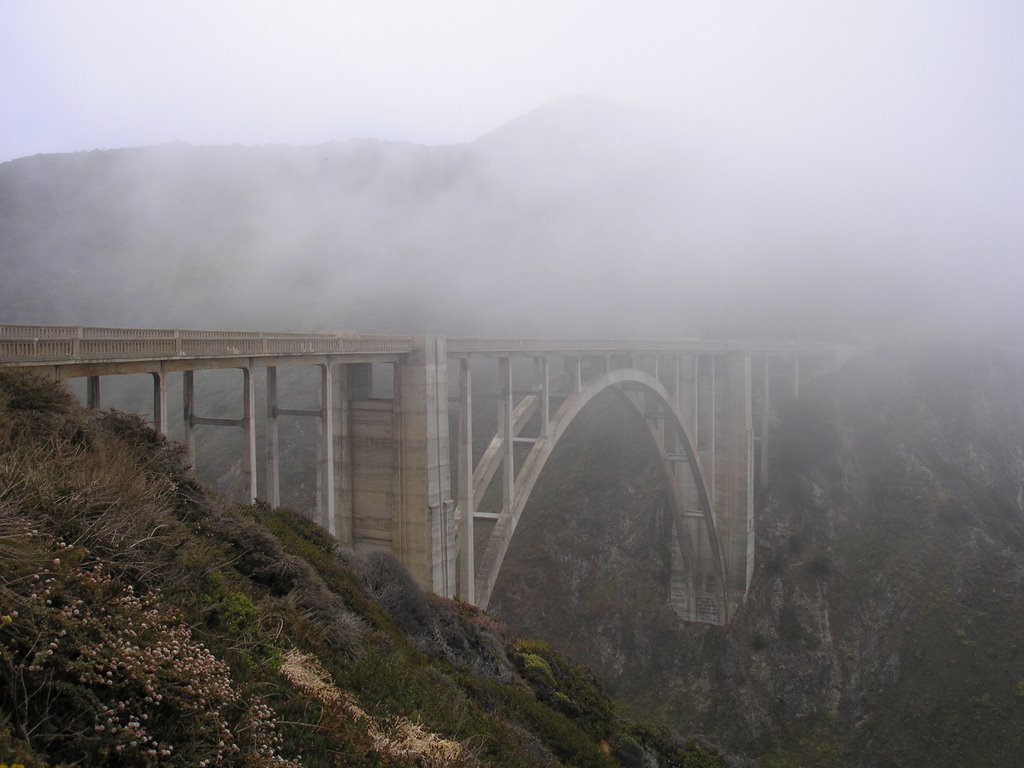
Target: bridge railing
[
  {"x": 28, "y": 343},
  {"x": 466, "y": 344},
  {"x": 37, "y": 331},
  {"x": 462, "y": 345}
]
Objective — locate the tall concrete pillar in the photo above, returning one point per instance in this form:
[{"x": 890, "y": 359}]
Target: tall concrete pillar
[
  {"x": 188, "y": 396},
  {"x": 574, "y": 367},
  {"x": 467, "y": 508},
  {"x": 695, "y": 404},
  {"x": 544, "y": 376},
  {"x": 160, "y": 402},
  {"x": 425, "y": 541},
  {"x": 249, "y": 434},
  {"x": 326, "y": 468},
  {"x": 507, "y": 432},
  {"x": 342, "y": 426},
  {"x": 273, "y": 445},
  {"x": 713, "y": 430},
  {"x": 735, "y": 480},
  {"x": 92, "y": 393},
  {"x": 766, "y": 420}
]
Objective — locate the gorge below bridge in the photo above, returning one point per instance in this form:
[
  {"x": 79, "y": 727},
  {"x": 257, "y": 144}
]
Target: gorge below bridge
[{"x": 389, "y": 477}]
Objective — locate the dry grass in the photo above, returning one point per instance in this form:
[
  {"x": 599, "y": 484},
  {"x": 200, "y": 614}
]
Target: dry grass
[
  {"x": 97, "y": 498},
  {"x": 396, "y": 738}
]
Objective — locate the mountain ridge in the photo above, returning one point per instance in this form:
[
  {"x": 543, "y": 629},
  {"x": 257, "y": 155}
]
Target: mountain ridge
[{"x": 571, "y": 221}]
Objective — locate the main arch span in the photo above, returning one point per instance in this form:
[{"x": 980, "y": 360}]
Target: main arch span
[
  {"x": 389, "y": 477},
  {"x": 688, "y": 491},
  {"x": 706, "y": 407}
]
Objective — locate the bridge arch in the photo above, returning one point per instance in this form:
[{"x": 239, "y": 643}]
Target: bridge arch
[{"x": 655, "y": 407}]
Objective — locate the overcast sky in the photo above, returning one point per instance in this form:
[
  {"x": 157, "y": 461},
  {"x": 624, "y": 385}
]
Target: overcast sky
[{"x": 889, "y": 74}]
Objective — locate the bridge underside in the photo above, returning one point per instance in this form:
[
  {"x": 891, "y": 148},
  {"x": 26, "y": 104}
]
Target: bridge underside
[{"x": 386, "y": 463}]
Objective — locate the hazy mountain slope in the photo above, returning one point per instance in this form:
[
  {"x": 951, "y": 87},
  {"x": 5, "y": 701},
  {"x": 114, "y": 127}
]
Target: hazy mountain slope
[
  {"x": 497, "y": 236},
  {"x": 885, "y": 623},
  {"x": 583, "y": 218}
]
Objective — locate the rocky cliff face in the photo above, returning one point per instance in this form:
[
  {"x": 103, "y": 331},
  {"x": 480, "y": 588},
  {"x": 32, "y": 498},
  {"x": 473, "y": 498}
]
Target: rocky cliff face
[{"x": 885, "y": 623}]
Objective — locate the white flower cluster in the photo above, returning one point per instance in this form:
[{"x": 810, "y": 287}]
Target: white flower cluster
[{"x": 157, "y": 685}]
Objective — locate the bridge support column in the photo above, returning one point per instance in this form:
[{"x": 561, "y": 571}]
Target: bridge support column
[
  {"x": 273, "y": 449},
  {"x": 507, "y": 432},
  {"x": 467, "y": 507},
  {"x": 734, "y": 480},
  {"x": 188, "y": 396},
  {"x": 544, "y": 382},
  {"x": 425, "y": 539},
  {"x": 326, "y": 468},
  {"x": 574, "y": 367},
  {"x": 92, "y": 393},
  {"x": 160, "y": 401},
  {"x": 249, "y": 433},
  {"x": 342, "y": 426},
  {"x": 713, "y": 424},
  {"x": 766, "y": 420}
]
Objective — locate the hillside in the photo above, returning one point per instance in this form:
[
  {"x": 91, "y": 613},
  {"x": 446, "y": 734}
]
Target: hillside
[
  {"x": 580, "y": 219},
  {"x": 885, "y": 623},
  {"x": 145, "y": 622},
  {"x": 366, "y": 234}
]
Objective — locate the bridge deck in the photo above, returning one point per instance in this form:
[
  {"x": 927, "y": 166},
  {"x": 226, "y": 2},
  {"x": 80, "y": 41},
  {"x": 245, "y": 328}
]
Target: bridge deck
[
  {"x": 35, "y": 345},
  {"x": 126, "y": 349}
]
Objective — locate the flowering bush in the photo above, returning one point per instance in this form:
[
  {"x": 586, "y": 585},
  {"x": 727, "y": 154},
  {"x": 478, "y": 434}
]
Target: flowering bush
[{"x": 99, "y": 673}]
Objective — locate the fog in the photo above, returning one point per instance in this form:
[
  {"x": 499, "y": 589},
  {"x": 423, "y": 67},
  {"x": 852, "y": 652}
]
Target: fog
[{"x": 851, "y": 171}]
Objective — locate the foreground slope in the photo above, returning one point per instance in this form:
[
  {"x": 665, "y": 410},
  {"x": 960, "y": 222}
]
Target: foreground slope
[{"x": 143, "y": 622}]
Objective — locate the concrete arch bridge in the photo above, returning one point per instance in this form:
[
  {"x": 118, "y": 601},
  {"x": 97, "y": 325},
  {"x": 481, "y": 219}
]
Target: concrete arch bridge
[{"x": 391, "y": 478}]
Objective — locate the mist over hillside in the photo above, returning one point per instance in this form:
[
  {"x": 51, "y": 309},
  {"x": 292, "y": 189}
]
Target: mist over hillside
[{"x": 584, "y": 218}]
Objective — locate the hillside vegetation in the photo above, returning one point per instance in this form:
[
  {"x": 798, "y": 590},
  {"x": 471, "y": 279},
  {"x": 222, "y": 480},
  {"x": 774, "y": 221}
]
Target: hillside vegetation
[{"x": 144, "y": 622}]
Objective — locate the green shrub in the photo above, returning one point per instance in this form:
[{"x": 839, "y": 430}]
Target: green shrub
[
  {"x": 570, "y": 688},
  {"x": 24, "y": 391}
]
